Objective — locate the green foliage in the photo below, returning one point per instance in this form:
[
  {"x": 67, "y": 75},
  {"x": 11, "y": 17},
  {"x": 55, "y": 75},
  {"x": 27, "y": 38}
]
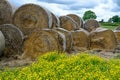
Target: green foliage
[
  {"x": 116, "y": 18},
  {"x": 118, "y": 56},
  {"x": 89, "y": 15},
  {"x": 53, "y": 66}
]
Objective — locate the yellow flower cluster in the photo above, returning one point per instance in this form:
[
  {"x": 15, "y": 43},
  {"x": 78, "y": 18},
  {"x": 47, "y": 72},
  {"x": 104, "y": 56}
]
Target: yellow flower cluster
[{"x": 54, "y": 66}]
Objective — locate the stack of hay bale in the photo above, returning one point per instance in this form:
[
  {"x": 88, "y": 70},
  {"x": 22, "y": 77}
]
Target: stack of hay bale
[
  {"x": 33, "y": 30},
  {"x": 99, "y": 38},
  {"x": 117, "y": 35}
]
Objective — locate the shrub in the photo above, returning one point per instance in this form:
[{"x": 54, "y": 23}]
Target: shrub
[{"x": 55, "y": 66}]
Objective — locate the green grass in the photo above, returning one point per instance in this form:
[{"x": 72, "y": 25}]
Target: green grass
[
  {"x": 53, "y": 66},
  {"x": 111, "y": 26}
]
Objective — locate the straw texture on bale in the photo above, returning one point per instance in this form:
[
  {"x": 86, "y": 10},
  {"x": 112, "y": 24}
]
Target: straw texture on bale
[
  {"x": 13, "y": 39},
  {"x": 30, "y": 17},
  {"x": 65, "y": 39},
  {"x": 40, "y": 42},
  {"x": 117, "y": 28},
  {"x": 117, "y": 35},
  {"x": 102, "y": 39},
  {"x": 68, "y": 23},
  {"x": 80, "y": 40},
  {"x": 78, "y": 20},
  {"x": 91, "y": 25},
  {"x": 5, "y": 12},
  {"x": 56, "y": 21},
  {"x": 2, "y": 43}
]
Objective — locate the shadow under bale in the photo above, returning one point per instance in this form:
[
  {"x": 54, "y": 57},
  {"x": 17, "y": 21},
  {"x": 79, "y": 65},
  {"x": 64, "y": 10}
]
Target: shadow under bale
[
  {"x": 5, "y": 12},
  {"x": 102, "y": 39},
  {"x": 13, "y": 39},
  {"x": 30, "y": 17},
  {"x": 78, "y": 20},
  {"x": 68, "y": 23},
  {"x": 80, "y": 40},
  {"x": 40, "y": 42},
  {"x": 91, "y": 25}
]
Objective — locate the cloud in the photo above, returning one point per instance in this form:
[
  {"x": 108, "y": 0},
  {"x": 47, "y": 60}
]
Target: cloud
[
  {"x": 58, "y": 1},
  {"x": 104, "y": 9}
]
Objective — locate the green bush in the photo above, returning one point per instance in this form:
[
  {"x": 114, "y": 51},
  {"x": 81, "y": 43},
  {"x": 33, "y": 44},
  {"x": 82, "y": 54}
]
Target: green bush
[{"x": 53, "y": 66}]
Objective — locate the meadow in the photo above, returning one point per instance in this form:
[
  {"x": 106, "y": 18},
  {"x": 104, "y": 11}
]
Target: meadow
[
  {"x": 108, "y": 25},
  {"x": 54, "y": 66}
]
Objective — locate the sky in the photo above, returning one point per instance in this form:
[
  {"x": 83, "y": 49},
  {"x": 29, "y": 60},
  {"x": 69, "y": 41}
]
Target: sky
[{"x": 104, "y": 9}]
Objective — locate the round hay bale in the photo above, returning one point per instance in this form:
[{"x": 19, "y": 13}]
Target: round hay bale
[
  {"x": 117, "y": 28},
  {"x": 30, "y": 17},
  {"x": 80, "y": 40},
  {"x": 102, "y": 39},
  {"x": 65, "y": 39},
  {"x": 13, "y": 39},
  {"x": 40, "y": 42},
  {"x": 68, "y": 23},
  {"x": 78, "y": 20},
  {"x": 56, "y": 21},
  {"x": 2, "y": 43},
  {"x": 5, "y": 12},
  {"x": 117, "y": 35},
  {"x": 91, "y": 25}
]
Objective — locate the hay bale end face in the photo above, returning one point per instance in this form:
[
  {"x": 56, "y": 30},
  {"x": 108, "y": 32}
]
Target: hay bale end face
[
  {"x": 80, "y": 40},
  {"x": 40, "y": 42},
  {"x": 13, "y": 39},
  {"x": 117, "y": 35},
  {"x": 78, "y": 20},
  {"x": 65, "y": 39},
  {"x": 102, "y": 39},
  {"x": 5, "y": 12},
  {"x": 30, "y": 17},
  {"x": 2, "y": 43},
  {"x": 117, "y": 28},
  {"x": 91, "y": 25},
  {"x": 68, "y": 23}
]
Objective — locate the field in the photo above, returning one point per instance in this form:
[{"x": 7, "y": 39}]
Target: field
[
  {"x": 54, "y": 66},
  {"x": 111, "y": 26}
]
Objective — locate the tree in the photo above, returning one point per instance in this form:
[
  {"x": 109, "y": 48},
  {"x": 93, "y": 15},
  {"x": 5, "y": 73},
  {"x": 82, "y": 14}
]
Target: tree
[
  {"x": 110, "y": 20},
  {"x": 102, "y": 20},
  {"x": 116, "y": 18},
  {"x": 89, "y": 15}
]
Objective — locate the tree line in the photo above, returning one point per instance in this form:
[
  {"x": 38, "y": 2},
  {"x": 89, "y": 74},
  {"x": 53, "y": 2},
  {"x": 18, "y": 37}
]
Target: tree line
[{"x": 91, "y": 15}]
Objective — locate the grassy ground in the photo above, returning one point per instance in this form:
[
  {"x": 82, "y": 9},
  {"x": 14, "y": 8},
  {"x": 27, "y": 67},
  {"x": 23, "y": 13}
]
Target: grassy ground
[
  {"x": 53, "y": 66},
  {"x": 111, "y": 26}
]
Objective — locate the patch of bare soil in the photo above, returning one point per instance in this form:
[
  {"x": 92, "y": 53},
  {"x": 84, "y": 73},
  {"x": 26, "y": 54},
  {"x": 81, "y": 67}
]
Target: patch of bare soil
[
  {"x": 17, "y": 61},
  {"x": 14, "y": 61},
  {"x": 105, "y": 54}
]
